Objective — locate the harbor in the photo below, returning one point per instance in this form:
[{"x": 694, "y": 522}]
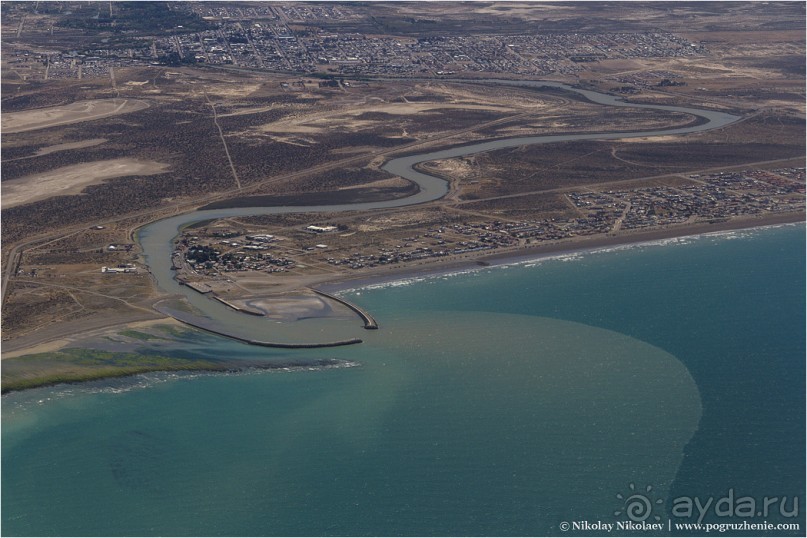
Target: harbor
[{"x": 158, "y": 239}]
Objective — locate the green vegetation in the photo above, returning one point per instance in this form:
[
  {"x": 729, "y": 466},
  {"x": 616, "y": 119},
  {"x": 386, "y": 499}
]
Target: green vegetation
[
  {"x": 139, "y": 335},
  {"x": 74, "y": 365},
  {"x": 77, "y": 364}
]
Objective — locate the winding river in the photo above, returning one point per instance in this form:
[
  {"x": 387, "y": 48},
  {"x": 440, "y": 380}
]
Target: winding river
[{"x": 157, "y": 238}]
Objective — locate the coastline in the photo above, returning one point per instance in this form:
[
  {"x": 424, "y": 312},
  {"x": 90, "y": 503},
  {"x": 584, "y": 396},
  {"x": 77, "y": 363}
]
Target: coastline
[
  {"x": 81, "y": 365},
  {"x": 570, "y": 246},
  {"x": 80, "y": 331},
  {"x": 344, "y": 283}
]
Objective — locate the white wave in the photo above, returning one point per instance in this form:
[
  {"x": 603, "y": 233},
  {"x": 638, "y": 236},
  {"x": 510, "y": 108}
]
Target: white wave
[
  {"x": 540, "y": 259},
  {"x": 407, "y": 281},
  {"x": 22, "y": 400}
]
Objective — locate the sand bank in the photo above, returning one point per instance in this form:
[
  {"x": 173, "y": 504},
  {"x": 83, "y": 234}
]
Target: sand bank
[{"x": 56, "y": 337}]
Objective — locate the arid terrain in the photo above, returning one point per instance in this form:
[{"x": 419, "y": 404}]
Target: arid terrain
[
  {"x": 97, "y": 144},
  {"x": 44, "y": 118}
]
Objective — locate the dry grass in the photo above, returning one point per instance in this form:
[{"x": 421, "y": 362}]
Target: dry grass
[
  {"x": 40, "y": 118},
  {"x": 72, "y": 179}
]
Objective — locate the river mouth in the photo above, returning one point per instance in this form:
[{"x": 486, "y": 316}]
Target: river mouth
[
  {"x": 156, "y": 239},
  {"x": 296, "y": 324},
  {"x": 510, "y": 416}
]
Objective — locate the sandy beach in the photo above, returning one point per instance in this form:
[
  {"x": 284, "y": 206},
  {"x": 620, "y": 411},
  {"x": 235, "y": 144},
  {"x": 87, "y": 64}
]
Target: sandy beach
[
  {"x": 60, "y": 336},
  {"x": 535, "y": 252}
]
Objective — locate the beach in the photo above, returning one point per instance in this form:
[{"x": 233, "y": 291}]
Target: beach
[
  {"x": 52, "y": 337},
  {"x": 58, "y": 337},
  {"x": 566, "y": 379},
  {"x": 447, "y": 264}
]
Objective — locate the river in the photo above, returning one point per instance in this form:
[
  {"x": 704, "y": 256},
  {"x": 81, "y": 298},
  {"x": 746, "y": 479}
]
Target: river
[{"x": 157, "y": 239}]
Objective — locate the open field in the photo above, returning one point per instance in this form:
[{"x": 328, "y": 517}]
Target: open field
[
  {"x": 524, "y": 170},
  {"x": 96, "y": 145},
  {"x": 31, "y": 120},
  {"x": 72, "y": 179},
  {"x": 180, "y": 122}
]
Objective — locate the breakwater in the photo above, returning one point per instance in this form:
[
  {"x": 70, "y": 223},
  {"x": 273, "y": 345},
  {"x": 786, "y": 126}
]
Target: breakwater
[
  {"x": 262, "y": 343},
  {"x": 237, "y": 308},
  {"x": 369, "y": 321},
  {"x": 157, "y": 238}
]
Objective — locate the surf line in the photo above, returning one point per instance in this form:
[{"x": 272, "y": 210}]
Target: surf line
[{"x": 157, "y": 238}]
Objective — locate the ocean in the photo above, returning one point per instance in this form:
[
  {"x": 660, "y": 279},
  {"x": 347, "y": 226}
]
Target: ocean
[{"x": 514, "y": 400}]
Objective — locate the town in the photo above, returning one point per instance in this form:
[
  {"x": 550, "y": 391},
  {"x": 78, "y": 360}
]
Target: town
[
  {"x": 217, "y": 251},
  {"x": 303, "y": 38}
]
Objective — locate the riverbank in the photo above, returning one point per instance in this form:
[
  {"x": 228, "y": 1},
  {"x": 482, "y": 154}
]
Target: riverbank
[
  {"x": 54, "y": 361},
  {"x": 156, "y": 238}
]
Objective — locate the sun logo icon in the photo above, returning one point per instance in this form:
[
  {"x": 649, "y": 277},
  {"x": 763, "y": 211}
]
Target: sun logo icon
[{"x": 638, "y": 506}]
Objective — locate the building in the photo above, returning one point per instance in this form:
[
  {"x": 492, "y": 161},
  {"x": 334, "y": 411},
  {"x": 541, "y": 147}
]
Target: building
[{"x": 321, "y": 229}]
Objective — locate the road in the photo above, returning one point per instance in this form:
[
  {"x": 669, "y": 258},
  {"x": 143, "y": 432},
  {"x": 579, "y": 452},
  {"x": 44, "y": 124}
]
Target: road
[
  {"x": 223, "y": 141},
  {"x": 14, "y": 255}
]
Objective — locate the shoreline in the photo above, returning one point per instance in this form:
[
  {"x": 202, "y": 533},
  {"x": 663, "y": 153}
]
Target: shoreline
[
  {"x": 111, "y": 365},
  {"x": 73, "y": 334},
  {"x": 346, "y": 283},
  {"x": 577, "y": 245},
  {"x": 340, "y": 283}
]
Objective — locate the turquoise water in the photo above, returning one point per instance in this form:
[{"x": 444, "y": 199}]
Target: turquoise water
[
  {"x": 500, "y": 402},
  {"x": 157, "y": 238}
]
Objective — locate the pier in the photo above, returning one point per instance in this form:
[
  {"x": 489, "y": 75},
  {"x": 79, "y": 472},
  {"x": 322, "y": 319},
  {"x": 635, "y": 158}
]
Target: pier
[
  {"x": 369, "y": 321},
  {"x": 210, "y": 326},
  {"x": 237, "y": 308},
  {"x": 199, "y": 287}
]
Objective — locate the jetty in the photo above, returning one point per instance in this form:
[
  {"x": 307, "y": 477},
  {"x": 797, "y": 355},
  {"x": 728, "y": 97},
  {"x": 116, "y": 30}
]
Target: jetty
[
  {"x": 263, "y": 343},
  {"x": 199, "y": 287},
  {"x": 245, "y": 310},
  {"x": 209, "y": 325},
  {"x": 369, "y": 321}
]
